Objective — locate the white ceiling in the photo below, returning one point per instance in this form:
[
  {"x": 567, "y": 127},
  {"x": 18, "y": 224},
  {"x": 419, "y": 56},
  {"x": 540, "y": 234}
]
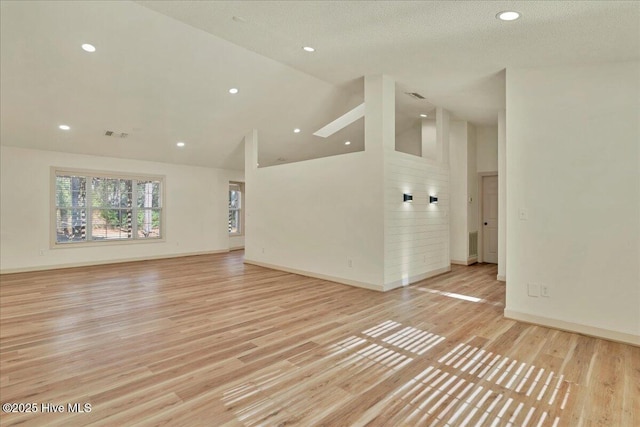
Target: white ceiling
[{"x": 164, "y": 77}]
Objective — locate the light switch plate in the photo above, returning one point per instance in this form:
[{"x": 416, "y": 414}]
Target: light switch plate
[
  {"x": 544, "y": 291},
  {"x": 523, "y": 214},
  {"x": 533, "y": 290}
]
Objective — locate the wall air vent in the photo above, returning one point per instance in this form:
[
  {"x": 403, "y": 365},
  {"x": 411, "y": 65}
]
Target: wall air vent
[
  {"x": 473, "y": 243},
  {"x": 116, "y": 134},
  {"x": 415, "y": 95}
]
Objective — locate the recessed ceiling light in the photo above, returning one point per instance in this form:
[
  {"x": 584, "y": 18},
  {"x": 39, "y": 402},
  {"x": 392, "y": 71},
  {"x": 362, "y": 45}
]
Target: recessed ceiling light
[
  {"x": 508, "y": 15},
  {"x": 347, "y": 143},
  {"x": 180, "y": 144},
  {"x": 423, "y": 115},
  {"x": 309, "y": 49},
  {"x": 296, "y": 130},
  {"x": 233, "y": 90},
  {"x": 88, "y": 47},
  {"x": 64, "y": 127}
]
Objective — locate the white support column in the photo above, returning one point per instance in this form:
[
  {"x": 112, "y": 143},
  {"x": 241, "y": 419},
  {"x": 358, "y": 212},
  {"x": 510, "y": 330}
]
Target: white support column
[
  {"x": 380, "y": 113},
  {"x": 442, "y": 135},
  {"x": 379, "y": 140},
  {"x": 250, "y": 172}
]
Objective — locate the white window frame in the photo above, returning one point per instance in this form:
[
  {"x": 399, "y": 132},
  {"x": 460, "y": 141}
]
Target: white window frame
[
  {"x": 88, "y": 174},
  {"x": 240, "y": 209}
]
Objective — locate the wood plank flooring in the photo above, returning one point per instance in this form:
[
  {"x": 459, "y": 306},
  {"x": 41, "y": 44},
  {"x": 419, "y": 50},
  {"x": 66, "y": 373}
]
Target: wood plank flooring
[{"x": 209, "y": 341}]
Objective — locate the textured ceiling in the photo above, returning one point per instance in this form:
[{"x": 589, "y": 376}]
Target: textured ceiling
[
  {"x": 163, "y": 68},
  {"x": 452, "y": 52}
]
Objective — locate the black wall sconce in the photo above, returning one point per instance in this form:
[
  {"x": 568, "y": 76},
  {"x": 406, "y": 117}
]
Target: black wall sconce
[
  {"x": 406, "y": 197},
  {"x": 433, "y": 200}
]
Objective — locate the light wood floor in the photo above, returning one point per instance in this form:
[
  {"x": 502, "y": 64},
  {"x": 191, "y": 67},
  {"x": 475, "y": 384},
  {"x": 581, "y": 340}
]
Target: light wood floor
[{"x": 210, "y": 341}]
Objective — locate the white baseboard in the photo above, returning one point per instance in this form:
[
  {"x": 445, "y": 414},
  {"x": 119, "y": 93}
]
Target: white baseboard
[
  {"x": 469, "y": 261},
  {"x": 574, "y": 327},
  {"x": 105, "y": 262},
  {"x": 418, "y": 277},
  {"x": 501, "y": 278},
  {"x": 237, "y": 248},
  {"x": 340, "y": 280}
]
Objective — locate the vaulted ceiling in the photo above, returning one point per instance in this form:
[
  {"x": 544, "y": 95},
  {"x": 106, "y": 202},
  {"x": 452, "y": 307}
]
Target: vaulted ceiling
[{"x": 162, "y": 69}]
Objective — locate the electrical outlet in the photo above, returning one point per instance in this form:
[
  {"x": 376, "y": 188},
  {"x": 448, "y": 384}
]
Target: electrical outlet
[
  {"x": 544, "y": 291},
  {"x": 424, "y": 259},
  {"x": 533, "y": 290},
  {"x": 262, "y": 250},
  {"x": 42, "y": 252},
  {"x": 350, "y": 263}
]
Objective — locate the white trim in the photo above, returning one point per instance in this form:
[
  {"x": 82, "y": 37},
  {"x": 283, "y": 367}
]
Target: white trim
[
  {"x": 107, "y": 174},
  {"x": 111, "y": 261},
  {"x": 573, "y": 327},
  {"x": 237, "y": 248},
  {"x": 340, "y": 280},
  {"x": 418, "y": 277},
  {"x": 501, "y": 278},
  {"x": 93, "y": 243},
  {"x": 469, "y": 261}
]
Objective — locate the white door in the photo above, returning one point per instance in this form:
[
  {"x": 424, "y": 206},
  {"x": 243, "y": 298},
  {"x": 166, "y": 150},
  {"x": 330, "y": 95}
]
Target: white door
[{"x": 490, "y": 219}]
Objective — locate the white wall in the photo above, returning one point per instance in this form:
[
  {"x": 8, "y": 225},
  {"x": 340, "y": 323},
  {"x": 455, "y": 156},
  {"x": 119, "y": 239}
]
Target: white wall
[
  {"x": 573, "y": 165},
  {"x": 458, "y": 181},
  {"x": 464, "y": 187},
  {"x": 236, "y": 242},
  {"x": 487, "y": 146},
  {"x": 325, "y": 217},
  {"x": 502, "y": 196},
  {"x": 342, "y": 218},
  {"x": 195, "y": 204},
  {"x": 429, "y": 139},
  {"x": 409, "y": 141},
  {"x": 419, "y": 140},
  {"x": 416, "y": 238},
  {"x": 315, "y": 216}
]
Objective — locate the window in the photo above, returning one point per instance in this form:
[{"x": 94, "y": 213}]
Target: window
[
  {"x": 98, "y": 207},
  {"x": 235, "y": 208}
]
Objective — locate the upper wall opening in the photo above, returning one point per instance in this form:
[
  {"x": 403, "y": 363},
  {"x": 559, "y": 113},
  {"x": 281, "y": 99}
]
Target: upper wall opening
[
  {"x": 300, "y": 140},
  {"x": 415, "y": 123}
]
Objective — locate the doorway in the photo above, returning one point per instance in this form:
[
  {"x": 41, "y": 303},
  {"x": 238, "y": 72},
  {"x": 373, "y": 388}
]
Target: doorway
[{"x": 489, "y": 219}]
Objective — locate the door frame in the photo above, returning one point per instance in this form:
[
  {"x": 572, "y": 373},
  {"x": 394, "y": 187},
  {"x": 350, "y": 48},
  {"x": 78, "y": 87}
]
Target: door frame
[{"x": 481, "y": 176}]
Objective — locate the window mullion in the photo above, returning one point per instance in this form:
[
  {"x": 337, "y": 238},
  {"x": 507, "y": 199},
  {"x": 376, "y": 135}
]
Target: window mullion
[
  {"x": 89, "y": 206},
  {"x": 134, "y": 209}
]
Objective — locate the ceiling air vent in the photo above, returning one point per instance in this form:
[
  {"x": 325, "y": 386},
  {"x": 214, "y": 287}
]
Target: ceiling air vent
[
  {"x": 415, "y": 95},
  {"x": 116, "y": 134}
]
